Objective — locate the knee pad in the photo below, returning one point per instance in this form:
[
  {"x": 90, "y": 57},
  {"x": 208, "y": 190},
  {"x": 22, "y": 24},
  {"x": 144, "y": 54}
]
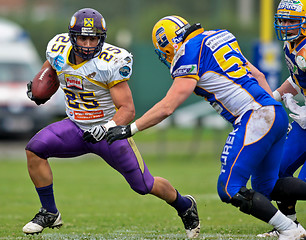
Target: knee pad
[
  {"x": 243, "y": 200},
  {"x": 289, "y": 188}
]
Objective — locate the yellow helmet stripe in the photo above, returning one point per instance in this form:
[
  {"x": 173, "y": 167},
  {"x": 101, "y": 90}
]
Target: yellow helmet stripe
[{"x": 176, "y": 20}]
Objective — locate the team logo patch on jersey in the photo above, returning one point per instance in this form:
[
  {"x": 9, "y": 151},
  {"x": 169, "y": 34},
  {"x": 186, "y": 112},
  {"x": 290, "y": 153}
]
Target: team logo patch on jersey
[
  {"x": 128, "y": 59},
  {"x": 58, "y": 62},
  {"x": 91, "y": 75},
  {"x": 124, "y": 71},
  {"x": 73, "y": 81},
  {"x": 186, "y": 70}
]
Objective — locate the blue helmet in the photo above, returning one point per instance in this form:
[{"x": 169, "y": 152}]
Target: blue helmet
[{"x": 87, "y": 22}]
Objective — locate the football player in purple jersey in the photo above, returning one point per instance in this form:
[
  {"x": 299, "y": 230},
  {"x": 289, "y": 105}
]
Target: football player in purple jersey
[
  {"x": 210, "y": 64},
  {"x": 93, "y": 75}
]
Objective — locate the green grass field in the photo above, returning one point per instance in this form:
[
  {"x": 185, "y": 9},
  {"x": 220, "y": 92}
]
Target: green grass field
[{"x": 97, "y": 203}]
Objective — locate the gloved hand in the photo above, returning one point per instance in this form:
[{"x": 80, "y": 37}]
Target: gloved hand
[
  {"x": 94, "y": 134},
  {"x": 298, "y": 113},
  {"x": 30, "y": 95},
  {"x": 118, "y": 132}
]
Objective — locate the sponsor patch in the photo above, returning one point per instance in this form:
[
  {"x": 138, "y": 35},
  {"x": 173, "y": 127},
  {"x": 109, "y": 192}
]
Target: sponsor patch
[
  {"x": 291, "y": 5},
  {"x": 215, "y": 41},
  {"x": 177, "y": 39},
  {"x": 124, "y": 71},
  {"x": 186, "y": 70},
  {"x": 88, "y": 115},
  {"x": 58, "y": 62},
  {"x": 88, "y": 31},
  {"x": 73, "y": 81}
]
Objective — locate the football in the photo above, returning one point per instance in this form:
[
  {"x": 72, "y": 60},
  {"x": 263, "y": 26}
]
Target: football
[{"x": 45, "y": 83}]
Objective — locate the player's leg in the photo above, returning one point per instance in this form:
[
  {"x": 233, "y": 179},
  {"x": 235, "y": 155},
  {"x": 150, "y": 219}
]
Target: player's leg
[
  {"x": 250, "y": 143},
  {"x": 60, "y": 139},
  {"x": 265, "y": 177},
  {"x": 185, "y": 206},
  {"x": 294, "y": 153},
  {"x": 238, "y": 161},
  {"x": 133, "y": 168},
  {"x": 294, "y": 156}
]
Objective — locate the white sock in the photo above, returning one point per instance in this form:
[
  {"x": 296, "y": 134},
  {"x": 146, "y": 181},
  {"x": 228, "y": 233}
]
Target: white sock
[{"x": 281, "y": 222}]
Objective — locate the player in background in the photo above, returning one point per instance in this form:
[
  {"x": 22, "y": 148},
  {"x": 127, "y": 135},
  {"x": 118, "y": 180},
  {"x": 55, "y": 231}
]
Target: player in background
[
  {"x": 210, "y": 64},
  {"x": 93, "y": 74},
  {"x": 290, "y": 27}
]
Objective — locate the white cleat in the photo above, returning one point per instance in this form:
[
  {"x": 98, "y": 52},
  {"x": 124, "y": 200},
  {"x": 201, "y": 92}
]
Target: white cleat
[
  {"x": 42, "y": 220},
  {"x": 293, "y": 234},
  {"x": 272, "y": 233}
]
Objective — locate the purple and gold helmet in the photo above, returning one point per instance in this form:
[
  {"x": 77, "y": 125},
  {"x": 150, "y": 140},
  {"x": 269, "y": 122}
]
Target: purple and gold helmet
[{"x": 87, "y": 22}]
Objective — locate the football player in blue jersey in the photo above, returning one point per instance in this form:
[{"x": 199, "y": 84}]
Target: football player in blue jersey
[
  {"x": 210, "y": 64},
  {"x": 290, "y": 27},
  {"x": 93, "y": 74}
]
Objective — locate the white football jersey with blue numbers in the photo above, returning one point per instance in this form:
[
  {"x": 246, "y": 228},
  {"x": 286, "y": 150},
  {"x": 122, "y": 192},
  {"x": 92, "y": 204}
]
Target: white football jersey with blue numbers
[{"x": 86, "y": 86}]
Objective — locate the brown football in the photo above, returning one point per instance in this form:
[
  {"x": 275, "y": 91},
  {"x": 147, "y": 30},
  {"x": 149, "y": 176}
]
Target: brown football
[{"x": 45, "y": 83}]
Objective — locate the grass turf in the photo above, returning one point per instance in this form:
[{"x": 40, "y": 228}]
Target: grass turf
[{"x": 97, "y": 203}]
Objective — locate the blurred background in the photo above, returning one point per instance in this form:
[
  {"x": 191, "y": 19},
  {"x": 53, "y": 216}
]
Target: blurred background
[{"x": 129, "y": 24}]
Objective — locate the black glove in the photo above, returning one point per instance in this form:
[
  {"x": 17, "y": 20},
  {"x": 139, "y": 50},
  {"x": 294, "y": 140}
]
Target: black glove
[
  {"x": 94, "y": 134},
  {"x": 118, "y": 132},
  {"x": 30, "y": 95}
]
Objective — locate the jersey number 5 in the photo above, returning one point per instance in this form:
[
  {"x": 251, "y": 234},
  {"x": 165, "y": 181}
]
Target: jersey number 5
[{"x": 226, "y": 63}]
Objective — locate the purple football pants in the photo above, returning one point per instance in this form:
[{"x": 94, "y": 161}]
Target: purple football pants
[{"x": 63, "y": 139}]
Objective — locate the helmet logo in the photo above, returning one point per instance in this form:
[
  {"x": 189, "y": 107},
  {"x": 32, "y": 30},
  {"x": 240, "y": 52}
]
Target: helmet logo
[
  {"x": 292, "y": 5},
  {"x": 177, "y": 39},
  {"x": 161, "y": 37},
  {"x": 72, "y": 21},
  {"x": 88, "y": 22}
]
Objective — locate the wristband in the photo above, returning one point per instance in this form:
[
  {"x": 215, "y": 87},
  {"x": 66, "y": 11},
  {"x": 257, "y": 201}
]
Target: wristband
[
  {"x": 134, "y": 128},
  {"x": 277, "y": 96},
  {"x": 110, "y": 124}
]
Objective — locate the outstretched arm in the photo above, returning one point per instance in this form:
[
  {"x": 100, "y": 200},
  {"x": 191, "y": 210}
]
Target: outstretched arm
[
  {"x": 122, "y": 98},
  {"x": 287, "y": 87},
  {"x": 180, "y": 90}
]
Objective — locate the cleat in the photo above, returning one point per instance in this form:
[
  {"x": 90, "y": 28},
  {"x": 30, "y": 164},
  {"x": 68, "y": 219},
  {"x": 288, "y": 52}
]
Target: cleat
[
  {"x": 273, "y": 233},
  {"x": 42, "y": 220},
  {"x": 190, "y": 219},
  {"x": 293, "y": 234}
]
